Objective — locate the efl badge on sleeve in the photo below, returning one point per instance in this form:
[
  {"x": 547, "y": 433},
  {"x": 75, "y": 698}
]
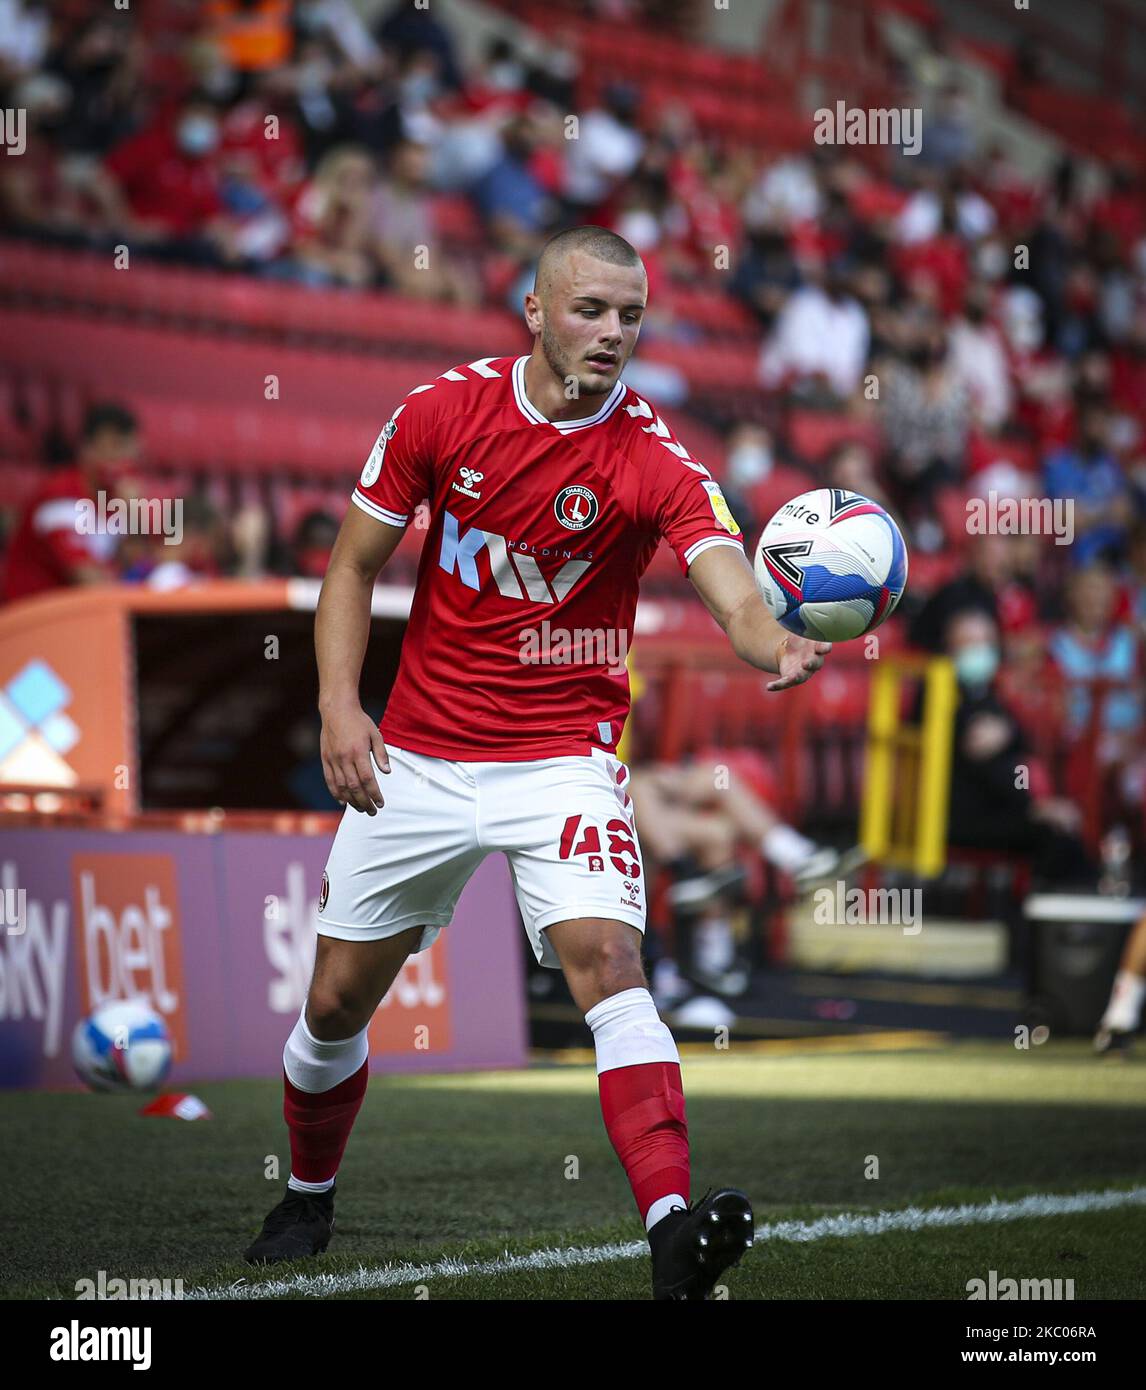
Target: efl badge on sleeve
[{"x": 720, "y": 508}]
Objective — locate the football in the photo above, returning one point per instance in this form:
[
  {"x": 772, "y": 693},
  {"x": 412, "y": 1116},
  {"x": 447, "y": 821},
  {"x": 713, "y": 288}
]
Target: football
[
  {"x": 831, "y": 565},
  {"x": 123, "y": 1046}
]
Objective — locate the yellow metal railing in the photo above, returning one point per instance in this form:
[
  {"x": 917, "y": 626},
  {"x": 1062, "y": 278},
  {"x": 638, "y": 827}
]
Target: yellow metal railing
[{"x": 907, "y": 781}]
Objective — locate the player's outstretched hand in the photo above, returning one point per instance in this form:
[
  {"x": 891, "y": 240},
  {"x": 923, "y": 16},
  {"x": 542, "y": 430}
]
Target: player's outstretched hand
[
  {"x": 349, "y": 736},
  {"x": 799, "y": 661}
]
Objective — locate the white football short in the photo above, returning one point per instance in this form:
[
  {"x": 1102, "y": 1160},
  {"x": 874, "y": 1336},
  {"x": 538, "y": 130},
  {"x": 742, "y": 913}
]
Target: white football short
[{"x": 565, "y": 825}]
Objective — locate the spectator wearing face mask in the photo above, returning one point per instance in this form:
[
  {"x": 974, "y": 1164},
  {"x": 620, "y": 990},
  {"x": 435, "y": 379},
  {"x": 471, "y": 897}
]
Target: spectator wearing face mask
[
  {"x": 990, "y": 807},
  {"x": 166, "y": 185}
]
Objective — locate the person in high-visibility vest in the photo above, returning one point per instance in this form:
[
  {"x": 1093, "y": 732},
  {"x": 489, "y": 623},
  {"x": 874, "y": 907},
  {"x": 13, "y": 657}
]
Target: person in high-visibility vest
[{"x": 253, "y": 37}]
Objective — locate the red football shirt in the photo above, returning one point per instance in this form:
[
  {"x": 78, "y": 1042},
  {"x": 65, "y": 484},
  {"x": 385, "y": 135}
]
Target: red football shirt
[
  {"x": 538, "y": 535},
  {"x": 48, "y": 544}
]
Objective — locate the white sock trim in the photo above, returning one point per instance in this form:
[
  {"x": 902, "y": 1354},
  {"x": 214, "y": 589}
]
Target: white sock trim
[
  {"x": 314, "y": 1066},
  {"x": 628, "y": 1031},
  {"x": 1124, "y": 1010},
  {"x": 661, "y": 1208},
  {"x": 297, "y": 1185}
]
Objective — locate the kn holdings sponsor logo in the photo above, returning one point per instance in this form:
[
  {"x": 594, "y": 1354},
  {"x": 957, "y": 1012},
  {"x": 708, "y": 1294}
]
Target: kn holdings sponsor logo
[{"x": 128, "y": 930}]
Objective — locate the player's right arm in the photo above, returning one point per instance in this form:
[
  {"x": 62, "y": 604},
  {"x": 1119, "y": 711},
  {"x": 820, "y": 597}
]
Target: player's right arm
[
  {"x": 341, "y": 631},
  {"x": 394, "y": 480}
]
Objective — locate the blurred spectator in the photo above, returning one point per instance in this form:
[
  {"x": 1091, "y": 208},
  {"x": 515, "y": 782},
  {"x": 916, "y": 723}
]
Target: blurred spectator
[
  {"x": 1088, "y": 474},
  {"x": 402, "y": 226},
  {"x": 25, "y": 29},
  {"x": 166, "y": 185},
  {"x": 49, "y": 548},
  {"x": 989, "y": 585},
  {"x": 199, "y": 550},
  {"x": 50, "y": 192},
  {"x": 926, "y": 416},
  {"x": 1134, "y": 599},
  {"x": 516, "y": 206},
  {"x": 820, "y": 341},
  {"x": 334, "y": 241},
  {"x": 607, "y": 148},
  {"x": 252, "y": 35},
  {"x": 411, "y": 27},
  {"x": 312, "y": 543},
  {"x": 695, "y": 833},
  {"x": 100, "y": 62},
  {"x": 852, "y": 466},
  {"x": 765, "y": 274},
  {"x": 979, "y": 360},
  {"x": 991, "y": 808},
  {"x": 1092, "y": 646}
]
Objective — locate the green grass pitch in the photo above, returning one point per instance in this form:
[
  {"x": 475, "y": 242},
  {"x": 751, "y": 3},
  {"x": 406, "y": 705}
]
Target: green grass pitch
[{"x": 472, "y": 1167}]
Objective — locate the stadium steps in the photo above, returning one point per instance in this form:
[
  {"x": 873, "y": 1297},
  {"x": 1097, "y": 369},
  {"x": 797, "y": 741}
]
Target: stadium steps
[{"x": 211, "y": 303}]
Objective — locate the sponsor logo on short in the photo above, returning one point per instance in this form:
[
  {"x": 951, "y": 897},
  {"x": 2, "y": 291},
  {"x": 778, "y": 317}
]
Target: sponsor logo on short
[
  {"x": 323, "y": 892},
  {"x": 576, "y": 507},
  {"x": 469, "y": 481}
]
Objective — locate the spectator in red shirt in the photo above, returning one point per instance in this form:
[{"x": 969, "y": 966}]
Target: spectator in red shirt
[
  {"x": 49, "y": 550},
  {"x": 168, "y": 184}
]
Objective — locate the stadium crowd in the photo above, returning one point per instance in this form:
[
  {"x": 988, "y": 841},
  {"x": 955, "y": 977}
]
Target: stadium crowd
[{"x": 971, "y": 334}]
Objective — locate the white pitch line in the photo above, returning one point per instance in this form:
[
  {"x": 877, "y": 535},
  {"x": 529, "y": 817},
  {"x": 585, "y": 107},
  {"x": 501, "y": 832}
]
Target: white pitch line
[{"x": 363, "y": 1280}]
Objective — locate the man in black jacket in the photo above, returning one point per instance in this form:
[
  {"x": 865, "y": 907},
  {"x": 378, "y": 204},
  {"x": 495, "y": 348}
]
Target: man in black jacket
[{"x": 991, "y": 804}]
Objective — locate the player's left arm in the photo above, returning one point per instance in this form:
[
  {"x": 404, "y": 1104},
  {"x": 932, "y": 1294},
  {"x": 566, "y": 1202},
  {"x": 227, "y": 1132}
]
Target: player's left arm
[{"x": 724, "y": 580}]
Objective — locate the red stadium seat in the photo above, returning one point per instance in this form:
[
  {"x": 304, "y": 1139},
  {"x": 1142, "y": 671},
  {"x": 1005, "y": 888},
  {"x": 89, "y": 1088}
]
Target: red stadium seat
[{"x": 813, "y": 434}]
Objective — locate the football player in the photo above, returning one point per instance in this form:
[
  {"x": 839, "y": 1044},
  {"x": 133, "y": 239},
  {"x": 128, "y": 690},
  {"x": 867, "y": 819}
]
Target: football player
[{"x": 550, "y": 484}]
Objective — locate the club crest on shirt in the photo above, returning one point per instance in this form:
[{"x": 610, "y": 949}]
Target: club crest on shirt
[
  {"x": 374, "y": 463},
  {"x": 720, "y": 508},
  {"x": 576, "y": 508}
]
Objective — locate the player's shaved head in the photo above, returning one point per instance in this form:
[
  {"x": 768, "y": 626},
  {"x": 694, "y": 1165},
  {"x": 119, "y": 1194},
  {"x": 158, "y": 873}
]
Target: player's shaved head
[
  {"x": 596, "y": 242},
  {"x": 585, "y": 311}
]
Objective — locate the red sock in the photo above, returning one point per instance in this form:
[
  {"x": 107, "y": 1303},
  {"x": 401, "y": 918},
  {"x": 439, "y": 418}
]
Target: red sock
[
  {"x": 320, "y": 1124},
  {"x": 644, "y": 1115}
]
